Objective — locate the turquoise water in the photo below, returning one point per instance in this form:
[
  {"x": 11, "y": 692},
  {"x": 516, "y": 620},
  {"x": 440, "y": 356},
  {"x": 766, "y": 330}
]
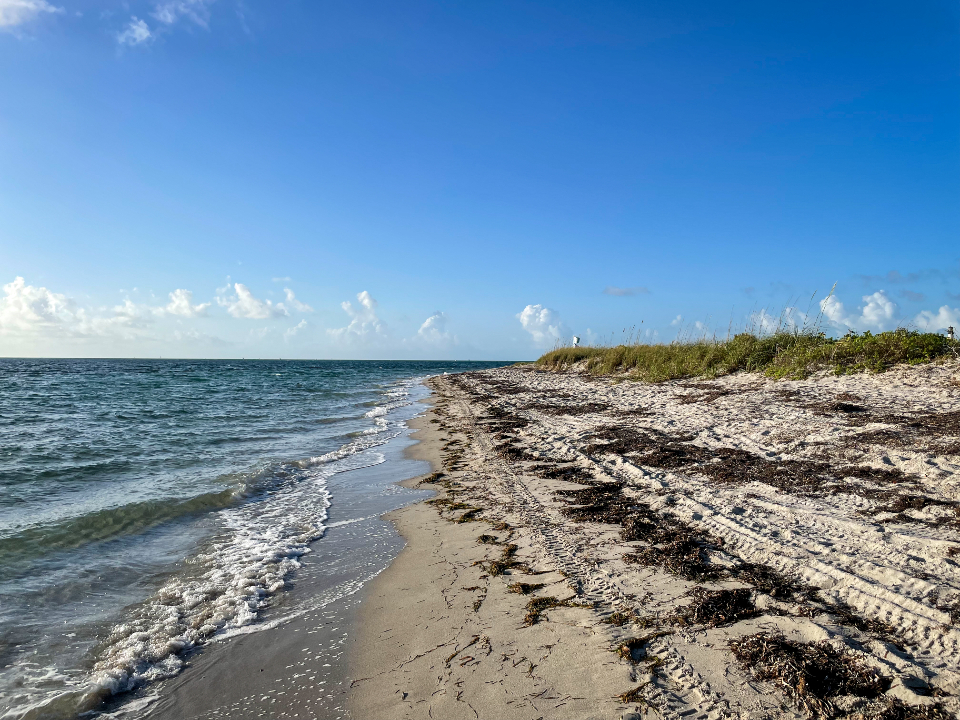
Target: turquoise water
[{"x": 147, "y": 507}]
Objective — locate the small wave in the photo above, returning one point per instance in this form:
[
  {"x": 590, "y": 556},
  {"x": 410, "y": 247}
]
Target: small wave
[
  {"x": 110, "y": 523},
  {"x": 268, "y": 520},
  {"x": 334, "y": 420}
]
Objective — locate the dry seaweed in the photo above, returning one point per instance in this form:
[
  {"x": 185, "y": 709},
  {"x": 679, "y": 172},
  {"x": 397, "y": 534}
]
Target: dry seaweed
[
  {"x": 890, "y": 708},
  {"x": 505, "y": 562},
  {"x": 654, "y": 449},
  {"x": 537, "y": 606},
  {"x": 949, "y": 606},
  {"x": 715, "y": 608},
  {"x": 769, "y": 581},
  {"x": 631, "y": 412},
  {"x": 509, "y": 451},
  {"x": 636, "y": 697},
  {"x": 503, "y": 421},
  {"x": 601, "y": 502},
  {"x": 567, "y": 473},
  {"x": 524, "y": 588},
  {"x": 619, "y": 619},
  {"x": 709, "y": 393},
  {"x": 432, "y": 478},
  {"x": 811, "y": 674},
  {"x": 686, "y": 556}
]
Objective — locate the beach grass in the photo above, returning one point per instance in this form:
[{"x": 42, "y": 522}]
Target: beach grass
[{"x": 783, "y": 354}]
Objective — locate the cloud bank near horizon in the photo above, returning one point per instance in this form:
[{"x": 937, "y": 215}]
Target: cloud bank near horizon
[{"x": 36, "y": 320}]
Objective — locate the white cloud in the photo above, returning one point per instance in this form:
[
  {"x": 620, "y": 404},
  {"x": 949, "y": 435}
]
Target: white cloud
[
  {"x": 290, "y": 332},
  {"x": 18, "y": 12},
  {"x": 244, "y": 305},
  {"x": 294, "y": 303},
  {"x": 677, "y": 320},
  {"x": 832, "y": 310},
  {"x": 130, "y": 313},
  {"x": 765, "y": 323},
  {"x": 196, "y": 10},
  {"x": 364, "y": 324},
  {"x": 136, "y": 33},
  {"x": 877, "y": 313},
  {"x": 434, "y": 330},
  {"x": 34, "y": 313},
  {"x": 28, "y": 309},
  {"x": 543, "y": 324},
  {"x": 944, "y": 318},
  {"x": 181, "y": 303}
]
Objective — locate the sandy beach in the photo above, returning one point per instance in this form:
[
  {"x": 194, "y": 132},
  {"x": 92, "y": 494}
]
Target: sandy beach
[{"x": 729, "y": 548}]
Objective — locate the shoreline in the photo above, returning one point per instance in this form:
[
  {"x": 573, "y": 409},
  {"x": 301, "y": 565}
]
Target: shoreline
[
  {"x": 577, "y": 561},
  {"x": 290, "y": 664},
  {"x": 433, "y": 613}
]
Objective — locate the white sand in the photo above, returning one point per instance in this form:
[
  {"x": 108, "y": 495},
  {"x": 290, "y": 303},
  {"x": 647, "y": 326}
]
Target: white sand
[{"x": 415, "y": 658}]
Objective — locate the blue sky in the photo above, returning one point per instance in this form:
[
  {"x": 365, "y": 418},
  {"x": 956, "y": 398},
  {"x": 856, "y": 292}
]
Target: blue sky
[{"x": 216, "y": 178}]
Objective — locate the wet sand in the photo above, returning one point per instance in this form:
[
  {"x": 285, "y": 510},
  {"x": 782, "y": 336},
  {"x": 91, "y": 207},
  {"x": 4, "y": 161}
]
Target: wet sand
[{"x": 291, "y": 663}]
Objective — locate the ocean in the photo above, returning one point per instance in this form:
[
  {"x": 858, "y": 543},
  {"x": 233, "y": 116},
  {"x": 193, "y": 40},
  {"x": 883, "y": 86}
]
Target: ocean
[{"x": 149, "y": 507}]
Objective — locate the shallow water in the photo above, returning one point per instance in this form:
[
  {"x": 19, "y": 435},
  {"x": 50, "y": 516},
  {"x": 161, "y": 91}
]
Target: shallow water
[{"x": 148, "y": 507}]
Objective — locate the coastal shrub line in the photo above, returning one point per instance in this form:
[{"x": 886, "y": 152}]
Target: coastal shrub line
[{"x": 793, "y": 355}]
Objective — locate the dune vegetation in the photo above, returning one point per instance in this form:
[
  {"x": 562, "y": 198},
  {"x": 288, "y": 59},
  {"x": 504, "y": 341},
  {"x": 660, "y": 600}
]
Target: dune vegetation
[{"x": 782, "y": 354}]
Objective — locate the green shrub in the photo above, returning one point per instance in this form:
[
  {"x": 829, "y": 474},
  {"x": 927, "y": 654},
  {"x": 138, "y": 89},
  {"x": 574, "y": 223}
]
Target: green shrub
[{"x": 780, "y": 355}]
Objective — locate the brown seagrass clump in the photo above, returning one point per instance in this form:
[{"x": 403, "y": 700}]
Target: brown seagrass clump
[{"x": 811, "y": 674}]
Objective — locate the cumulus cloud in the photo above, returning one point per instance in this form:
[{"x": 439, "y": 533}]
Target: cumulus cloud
[
  {"x": 833, "y": 310},
  {"x": 31, "y": 313},
  {"x": 294, "y": 303},
  {"x": 137, "y": 32},
  {"x": 945, "y": 317},
  {"x": 877, "y": 312},
  {"x": 543, "y": 324},
  {"x": 677, "y": 320},
  {"x": 28, "y": 309},
  {"x": 364, "y": 325},
  {"x": 181, "y": 303},
  {"x": 434, "y": 330},
  {"x": 18, "y": 12},
  {"x": 130, "y": 312},
  {"x": 243, "y": 304},
  {"x": 290, "y": 332},
  {"x": 625, "y": 292}
]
